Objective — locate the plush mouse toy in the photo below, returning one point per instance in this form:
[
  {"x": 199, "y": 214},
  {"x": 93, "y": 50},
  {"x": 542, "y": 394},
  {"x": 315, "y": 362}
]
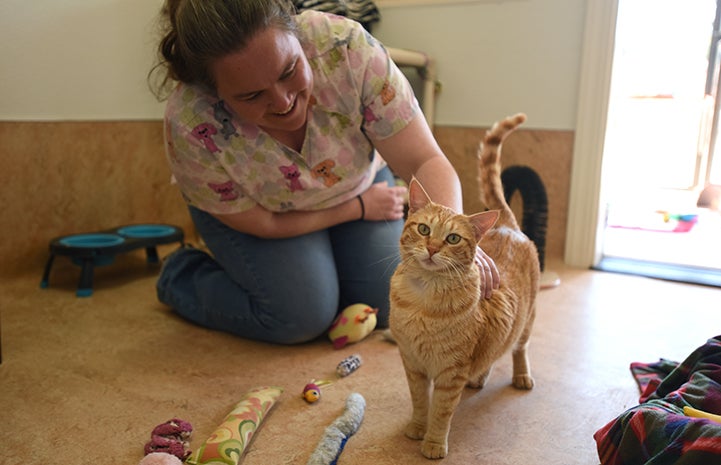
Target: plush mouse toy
[{"x": 353, "y": 324}]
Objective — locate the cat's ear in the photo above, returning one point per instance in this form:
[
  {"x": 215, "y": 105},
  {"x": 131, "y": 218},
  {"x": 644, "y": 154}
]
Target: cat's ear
[
  {"x": 484, "y": 221},
  {"x": 417, "y": 196}
]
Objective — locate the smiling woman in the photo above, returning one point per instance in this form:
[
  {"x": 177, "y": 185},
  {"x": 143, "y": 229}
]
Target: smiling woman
[
  {"x": 281, "y": 134},
  {"x": 274, "y": 94}
]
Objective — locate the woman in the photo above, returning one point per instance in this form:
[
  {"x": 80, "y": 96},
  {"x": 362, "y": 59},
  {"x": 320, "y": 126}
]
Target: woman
[{"x": 282, "y": 134}]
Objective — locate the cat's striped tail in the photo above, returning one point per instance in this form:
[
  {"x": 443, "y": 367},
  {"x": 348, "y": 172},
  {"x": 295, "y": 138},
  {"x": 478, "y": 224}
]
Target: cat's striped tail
[{"x": 492, "y": 193}]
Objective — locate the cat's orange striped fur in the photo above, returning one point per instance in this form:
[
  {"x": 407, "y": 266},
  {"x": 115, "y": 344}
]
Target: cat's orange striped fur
[{"x": 448, "y": 336}]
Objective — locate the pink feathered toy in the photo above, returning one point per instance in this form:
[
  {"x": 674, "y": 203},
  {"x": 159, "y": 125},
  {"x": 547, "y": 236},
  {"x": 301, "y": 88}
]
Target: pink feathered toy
[{"x": 168, "y": 443}]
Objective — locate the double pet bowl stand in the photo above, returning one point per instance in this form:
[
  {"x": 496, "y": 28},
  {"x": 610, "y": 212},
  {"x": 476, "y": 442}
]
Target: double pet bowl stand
[{"x": 99, "y": 248}]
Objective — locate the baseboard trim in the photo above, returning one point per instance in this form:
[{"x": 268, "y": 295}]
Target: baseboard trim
[{"x": 667, "y": 271}]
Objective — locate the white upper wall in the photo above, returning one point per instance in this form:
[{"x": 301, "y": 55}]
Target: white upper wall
[
  {"x": 88, "y": 59},
  {"x": 497, "y": 57},
  {"x": 77, "y": 59}
]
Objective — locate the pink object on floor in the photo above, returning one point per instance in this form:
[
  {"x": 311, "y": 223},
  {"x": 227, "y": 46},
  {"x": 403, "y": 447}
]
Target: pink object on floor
[{"x": 160, "y": 458}]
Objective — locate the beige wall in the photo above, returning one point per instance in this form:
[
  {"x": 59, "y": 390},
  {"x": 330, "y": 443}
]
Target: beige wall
[
  {"x": 80, "y": 136},
  {"x": 497, "y": 57},
  {"x": 77, "y": 60},
  {"x": 548, "y": 153},
  {"x": 74, "y": 177},
  {"x": 67, "y": 178},
  {"x": 87, "y": 61}
]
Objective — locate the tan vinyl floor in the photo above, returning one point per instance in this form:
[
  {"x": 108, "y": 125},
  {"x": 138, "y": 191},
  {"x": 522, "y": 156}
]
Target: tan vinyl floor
[{"x": 84, "y": 380}]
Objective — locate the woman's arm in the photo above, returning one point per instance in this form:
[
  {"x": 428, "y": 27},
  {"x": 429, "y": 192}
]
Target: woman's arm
[
  {"x": 413, "y": 151},
  {"x": 380, "y": 202}
]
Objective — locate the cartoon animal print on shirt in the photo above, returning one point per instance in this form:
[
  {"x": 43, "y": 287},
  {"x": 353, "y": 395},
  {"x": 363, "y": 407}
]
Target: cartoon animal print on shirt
[
  {"x": 336, "y": 57},
  {"x": 204, "y": 133},
  {"x": 343, "y": 121},
  {"x": 226, "y": 191},
  {"x": 224, "y": 117},
  {"x": 369, "y": 116},
  {"x": 323, "y": 170},
  {"x": 388, "y": 93},
  {"x": 291, "y": 173},
  {"x": 312, "y": 102}
]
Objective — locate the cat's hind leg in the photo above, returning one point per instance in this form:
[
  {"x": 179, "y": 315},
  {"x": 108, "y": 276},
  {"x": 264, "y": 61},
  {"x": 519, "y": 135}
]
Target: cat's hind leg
[
  {"x": 479, "y": 381},
  {"x": 522, "y": 378}
]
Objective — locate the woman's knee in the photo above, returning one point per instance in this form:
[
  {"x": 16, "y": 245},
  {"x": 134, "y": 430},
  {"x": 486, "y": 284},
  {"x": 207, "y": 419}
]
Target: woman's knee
[{"x": 301, "y": 322}]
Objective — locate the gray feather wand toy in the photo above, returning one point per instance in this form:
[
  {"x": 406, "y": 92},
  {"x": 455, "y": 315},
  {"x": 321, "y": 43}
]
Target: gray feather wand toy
[{"x": 337, "y": 433}]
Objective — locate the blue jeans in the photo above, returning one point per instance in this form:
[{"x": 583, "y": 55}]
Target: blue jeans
[{"x": 283, "y": 291}]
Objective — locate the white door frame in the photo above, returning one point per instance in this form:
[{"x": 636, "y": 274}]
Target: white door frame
[{"x": 585, "y": 216}]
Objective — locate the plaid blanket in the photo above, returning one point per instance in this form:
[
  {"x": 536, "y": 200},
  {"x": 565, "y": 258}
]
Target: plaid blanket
[{"x": 656, "y": 432}]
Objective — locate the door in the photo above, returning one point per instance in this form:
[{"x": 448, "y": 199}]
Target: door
[{"x": 660, "y": 138}]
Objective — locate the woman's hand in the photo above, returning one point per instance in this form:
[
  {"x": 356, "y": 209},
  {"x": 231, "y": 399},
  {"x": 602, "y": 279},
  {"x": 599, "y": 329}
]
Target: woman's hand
[
  {"x": 383, "y": 202},
  {"x": 490, "y": 278}
]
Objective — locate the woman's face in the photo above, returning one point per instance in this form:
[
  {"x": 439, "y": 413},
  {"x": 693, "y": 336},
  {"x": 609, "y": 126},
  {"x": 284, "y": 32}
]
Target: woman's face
[{"x": 268, "y": 83}]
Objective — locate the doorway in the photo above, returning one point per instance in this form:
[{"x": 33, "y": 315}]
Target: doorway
[{"x": 660, "y": 139}]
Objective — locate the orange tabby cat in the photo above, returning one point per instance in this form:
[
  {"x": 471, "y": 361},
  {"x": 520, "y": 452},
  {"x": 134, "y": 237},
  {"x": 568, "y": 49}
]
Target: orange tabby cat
[{"x": 448, "y": 336}]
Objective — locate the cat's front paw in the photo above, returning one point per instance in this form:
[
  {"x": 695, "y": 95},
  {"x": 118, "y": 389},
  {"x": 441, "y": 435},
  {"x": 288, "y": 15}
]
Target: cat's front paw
[
  {"x": 415, "y": 431},
  {"x": 434, "y": 450},
  {"x": 523, "y": 382}
]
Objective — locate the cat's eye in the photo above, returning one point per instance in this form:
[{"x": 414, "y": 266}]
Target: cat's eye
[
  {"x": 424, "y": 229},
  {"x": 453, "y": 238}
]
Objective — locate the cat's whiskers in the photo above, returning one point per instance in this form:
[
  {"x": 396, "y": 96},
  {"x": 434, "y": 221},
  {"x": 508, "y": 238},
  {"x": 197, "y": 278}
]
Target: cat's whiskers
[
  {"x": 391, "y": 264},
  {"x": 458, "y": 270}
]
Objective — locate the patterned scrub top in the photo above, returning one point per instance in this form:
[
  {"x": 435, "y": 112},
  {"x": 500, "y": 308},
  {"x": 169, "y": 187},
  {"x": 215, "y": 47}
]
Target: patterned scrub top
[{"x": 223, "y": 165}]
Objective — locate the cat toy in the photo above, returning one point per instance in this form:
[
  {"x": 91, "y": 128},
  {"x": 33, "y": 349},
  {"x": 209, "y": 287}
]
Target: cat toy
[
  {"x": 311, "y": 391},
  {"x": 353, "y": 324},
  {"x": 231, "y": 438},
  {"x": 348, "y": 365},
  {"x": 168, "y": 443},
  {"x": 336, "y": 435}
]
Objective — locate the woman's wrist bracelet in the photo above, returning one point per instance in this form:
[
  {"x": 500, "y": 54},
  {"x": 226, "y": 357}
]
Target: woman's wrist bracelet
[{"x": 363, "y": 207}]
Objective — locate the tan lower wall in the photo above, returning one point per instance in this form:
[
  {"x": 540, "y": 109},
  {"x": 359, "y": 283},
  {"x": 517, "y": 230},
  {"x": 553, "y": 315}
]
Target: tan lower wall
[
  {"x": 548, "y": 153},
  {"x": 63, "y": 178},
  {"x": 73, "y": 177}
]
